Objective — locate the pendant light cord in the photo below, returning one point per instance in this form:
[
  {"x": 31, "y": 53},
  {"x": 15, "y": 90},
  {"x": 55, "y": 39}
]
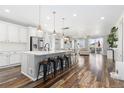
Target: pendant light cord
[
  {"x": 54, "y": 19},
  {"x": 39, "y": 15},
  {"x": 63, "y": 19}
]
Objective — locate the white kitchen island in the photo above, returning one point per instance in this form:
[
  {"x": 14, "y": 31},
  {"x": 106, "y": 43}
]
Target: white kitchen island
[{"x": 31, "y": 59}]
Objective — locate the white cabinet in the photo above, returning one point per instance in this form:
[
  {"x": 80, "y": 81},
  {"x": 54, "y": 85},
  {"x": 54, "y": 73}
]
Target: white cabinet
[
  {"x": 32, "y": 31},
  {"x": 9, "y": 59},
  {"x": 4, "y": 60},
  {"x": 24, "y": 63},
  {"x": 15, "y": 58},
  {"x": 23, "y": 34},
  {"x": 3, "y": 32},
  {"x": 13, "y": 33}
]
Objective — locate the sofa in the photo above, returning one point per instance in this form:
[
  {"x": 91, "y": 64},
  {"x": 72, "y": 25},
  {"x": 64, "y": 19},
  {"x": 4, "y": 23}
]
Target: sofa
[{"x": 84, "y": 52}]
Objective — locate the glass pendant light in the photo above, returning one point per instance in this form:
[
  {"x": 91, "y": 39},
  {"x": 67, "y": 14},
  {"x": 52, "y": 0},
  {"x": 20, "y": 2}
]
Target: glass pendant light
[
  {"x": 39, "y": 28},
  {"x": 54, "y": 31},
  {"x": 63, "y": 19}
]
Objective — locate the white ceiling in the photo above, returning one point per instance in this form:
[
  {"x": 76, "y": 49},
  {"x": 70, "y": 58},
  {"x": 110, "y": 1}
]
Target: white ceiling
[{"x": 87, "y": 21}]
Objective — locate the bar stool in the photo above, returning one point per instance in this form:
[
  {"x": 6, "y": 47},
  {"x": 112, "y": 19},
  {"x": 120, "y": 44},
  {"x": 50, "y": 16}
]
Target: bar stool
[
  {"x": 66, "y": 60},
  {"x": 54, "y": 64},
  {"x": 69, "y": 60},
  {"x": 46, "y": 69},
  {"x": 60, "y": 61}
]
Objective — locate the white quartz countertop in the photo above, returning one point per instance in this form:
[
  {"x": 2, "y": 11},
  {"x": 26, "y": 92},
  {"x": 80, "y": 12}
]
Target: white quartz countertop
[{"x": 47, "y": 52}]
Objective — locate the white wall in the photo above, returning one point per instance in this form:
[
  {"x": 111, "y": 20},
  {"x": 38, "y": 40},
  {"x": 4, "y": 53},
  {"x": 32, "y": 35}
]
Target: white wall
[
  {"x": 119, "y": 51},
  {"x": 105, "y": 45}
]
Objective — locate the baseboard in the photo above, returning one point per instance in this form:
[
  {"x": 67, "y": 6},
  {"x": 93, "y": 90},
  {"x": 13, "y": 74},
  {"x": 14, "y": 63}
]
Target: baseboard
[
  {"x": 33, "y": 79},
  {"x": 12, "y": 65}
]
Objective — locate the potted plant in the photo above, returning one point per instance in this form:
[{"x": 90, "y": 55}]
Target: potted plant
[{"x": 112, "y": 39}]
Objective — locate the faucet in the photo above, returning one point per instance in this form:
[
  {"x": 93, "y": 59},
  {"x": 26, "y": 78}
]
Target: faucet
[{"x": 48, "y": 46}]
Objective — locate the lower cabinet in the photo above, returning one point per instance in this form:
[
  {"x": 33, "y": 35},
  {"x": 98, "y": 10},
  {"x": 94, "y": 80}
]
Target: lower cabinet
[
  {"x": 4, "y": 60},
  {"x": 7, "y": 60},
  {"x": 15, "y": 59}
]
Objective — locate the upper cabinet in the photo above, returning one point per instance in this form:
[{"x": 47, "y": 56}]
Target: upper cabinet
[
  {"x": 23, "y": 34},
  {"x": 13, "y": 35},
  {"x": 3, "y": 32},
  {"x": 32, "y": 31}
]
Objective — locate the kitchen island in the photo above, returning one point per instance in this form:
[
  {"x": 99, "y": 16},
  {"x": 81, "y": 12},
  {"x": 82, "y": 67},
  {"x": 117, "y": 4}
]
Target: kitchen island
[{"x": 31, "y": 59}]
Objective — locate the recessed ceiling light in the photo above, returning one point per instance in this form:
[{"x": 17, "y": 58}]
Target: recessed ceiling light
[
  {"x": 48, "y": 18},
  {"x": 102, "y": 18},
  {"x": 74, "y": 14},
  {"x": 45, "y": 25},
  {"x": 7, "y": 10}
]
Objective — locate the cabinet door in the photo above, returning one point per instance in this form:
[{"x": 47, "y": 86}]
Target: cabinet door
[
  {"x": 15, "y": 58},
  {"x": 3, "y": 32},
  {"x": 23, "y": 35},
  {"x": 32, "y": 31},
  {"x": 3, "y": 60},
  {"x": 13, "y": 33}
]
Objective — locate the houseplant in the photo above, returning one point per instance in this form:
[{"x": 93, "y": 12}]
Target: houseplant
[{"x": 112, "y": 39}]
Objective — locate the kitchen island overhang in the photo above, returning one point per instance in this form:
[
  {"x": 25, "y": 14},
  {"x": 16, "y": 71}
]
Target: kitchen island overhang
[{"x": 31, "y": 59}]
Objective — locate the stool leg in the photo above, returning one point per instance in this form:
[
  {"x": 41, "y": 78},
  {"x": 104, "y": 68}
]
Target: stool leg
[
  {"x": 61, "y": 61},
  {"x": 54, "y": 65},
  {"x": 67, "y": 61},
  {"x": 45, "y": 72},
  {"x": 70, "y": 60},
  {"x": 38, "y": 71}
]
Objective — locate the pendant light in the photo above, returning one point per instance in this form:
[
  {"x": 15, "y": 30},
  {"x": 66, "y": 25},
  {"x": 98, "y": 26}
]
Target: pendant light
[
  {"x": 39, "y": 28},
  {"x": 63, "y": 19},
  {"x": 54, "y": 31}
]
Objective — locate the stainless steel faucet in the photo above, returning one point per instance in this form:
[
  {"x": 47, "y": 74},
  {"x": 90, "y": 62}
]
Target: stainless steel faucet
[{"x": 48, "y": 48}]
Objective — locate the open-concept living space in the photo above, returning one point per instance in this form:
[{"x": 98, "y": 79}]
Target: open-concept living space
[{"x": 61, "y": 46}]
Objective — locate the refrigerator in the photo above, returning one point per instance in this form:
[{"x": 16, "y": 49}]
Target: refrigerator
[{"x": 36, "y": 43}]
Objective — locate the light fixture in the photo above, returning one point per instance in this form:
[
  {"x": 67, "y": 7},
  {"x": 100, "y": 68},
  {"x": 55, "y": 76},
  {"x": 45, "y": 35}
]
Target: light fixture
[
  {"x": 7, "y": 10},
  {"x": 54, "y": 31},
  {"x": 66, "y": 39},
  {"x": 102, "y": 18},
  {"x": 45, "y": 25},
  {"x": 63, "y": 19},
  {"x": 74, "y": 15},
  {"x": 39, "y": 28},
  {"x": 48, "y": 18}
]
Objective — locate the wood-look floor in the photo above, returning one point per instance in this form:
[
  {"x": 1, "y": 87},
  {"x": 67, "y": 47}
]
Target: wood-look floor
[{"x": 90, "y": 71}]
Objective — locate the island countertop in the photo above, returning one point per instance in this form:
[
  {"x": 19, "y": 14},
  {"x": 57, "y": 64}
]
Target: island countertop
[{"x": 47, "y": 52}]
